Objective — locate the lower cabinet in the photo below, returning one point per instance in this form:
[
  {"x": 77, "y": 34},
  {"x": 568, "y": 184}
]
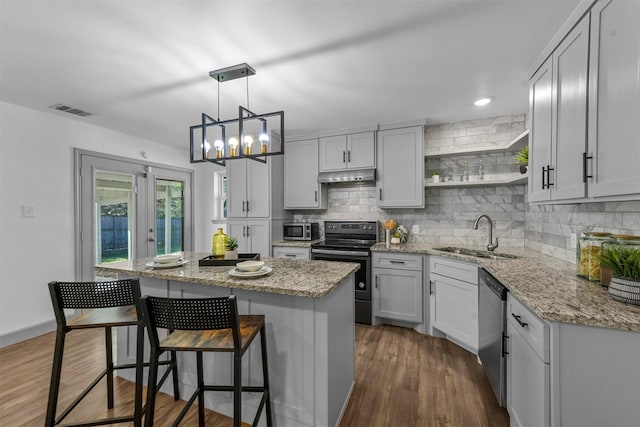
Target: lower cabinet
[
  {"x": 528, "y": 368},
  {"x": 397, "y": 291},
  {"x": 291, "y": 252},
  {"x": 253, "y": 235},
  {"x": 453, "y": 290}
]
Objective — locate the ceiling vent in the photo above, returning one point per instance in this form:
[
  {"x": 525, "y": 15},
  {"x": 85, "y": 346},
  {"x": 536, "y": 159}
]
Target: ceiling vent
[{"x": 70, "y": 110}]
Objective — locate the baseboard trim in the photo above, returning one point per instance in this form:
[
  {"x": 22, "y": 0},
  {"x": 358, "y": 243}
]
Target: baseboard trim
[{"x": 27, "y": 333}]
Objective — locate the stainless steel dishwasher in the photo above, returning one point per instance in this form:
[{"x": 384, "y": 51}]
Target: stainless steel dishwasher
[{"x": 492, "y": 324}]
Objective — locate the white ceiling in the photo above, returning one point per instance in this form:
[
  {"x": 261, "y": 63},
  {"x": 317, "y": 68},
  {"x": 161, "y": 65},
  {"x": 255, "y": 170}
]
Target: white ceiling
[{"x": 141, "y": 67}]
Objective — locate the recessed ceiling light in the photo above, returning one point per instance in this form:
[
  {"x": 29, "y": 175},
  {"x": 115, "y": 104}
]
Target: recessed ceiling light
[{"x": 482, "y": 101}]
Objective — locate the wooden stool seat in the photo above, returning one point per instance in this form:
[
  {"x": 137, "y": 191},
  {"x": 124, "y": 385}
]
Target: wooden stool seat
[
  {"x": 205, "y": 325},
  {"x": 214, "y": 339},
  {"x": 103, "y": 317}
]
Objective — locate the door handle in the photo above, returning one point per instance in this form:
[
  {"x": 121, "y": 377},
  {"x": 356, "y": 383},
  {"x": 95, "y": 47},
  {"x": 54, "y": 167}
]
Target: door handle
[
  {"x": 523, "y": 324},
  {"x": 584, "y": 167}
]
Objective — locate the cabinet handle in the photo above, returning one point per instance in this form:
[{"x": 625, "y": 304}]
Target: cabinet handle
[
  {"x": 243, "y": 231},
  {"x": 504, "y": 345},
  {"x": 247, "y": 206},
  {"x": 248, "y": 228},
  {"x": 543, "y": 184},
  {"x": 430, "y": 287},
  {"x": 344, "y": 158},
  {"x": 290, "y": 255},
  {"x": 349, "y": 156},
  {"x": 243, "y": 203},
  {"x": 316, "y": 197},
  {"x": 584, "y": 167},
  {"x": 376, "y": 281},
  {"x": 381, "y": 194},
  {"x": 549, "y": 169},
  {"x": 393, "y": 261},
  {"x": 523, "y": 324}
]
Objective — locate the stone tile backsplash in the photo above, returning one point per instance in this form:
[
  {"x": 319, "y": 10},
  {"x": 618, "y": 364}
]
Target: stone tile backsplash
[{"x": 449, "y": 213}]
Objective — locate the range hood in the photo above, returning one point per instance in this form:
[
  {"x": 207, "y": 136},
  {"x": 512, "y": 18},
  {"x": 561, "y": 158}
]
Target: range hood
[{"x": 359, "y": 175}]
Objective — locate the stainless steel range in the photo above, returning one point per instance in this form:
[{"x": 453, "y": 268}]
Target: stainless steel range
[{"x": 351, "y": 241}]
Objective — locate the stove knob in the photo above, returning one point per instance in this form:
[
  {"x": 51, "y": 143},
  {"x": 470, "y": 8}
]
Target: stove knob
[{"x": 362, "y": 285}]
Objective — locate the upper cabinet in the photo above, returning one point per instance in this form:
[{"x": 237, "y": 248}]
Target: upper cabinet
[
  {"x": 614, "y": 99},
  {"x": 301, "y": 187},
  {"x": 583, "y": 147},
  {"x": 353, "y": 151},
  {"x": 400, "y": 182}
]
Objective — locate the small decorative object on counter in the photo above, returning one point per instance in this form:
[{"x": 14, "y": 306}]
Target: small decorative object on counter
[
  {"x": 435, "y": 177},
  {"x": 449, "y": 172},
  {"x": 465, "y": 171},
  {"x": 389, "y": 225},
  {"x": 588, "y": 254},
  {"x": 622, "y": 257},
  {"x": 402, "y": 233},
  {"x": 219, "y": 244},
  {"x": 231, "y": 251}
]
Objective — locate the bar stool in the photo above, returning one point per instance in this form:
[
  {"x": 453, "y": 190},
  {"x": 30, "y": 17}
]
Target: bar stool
[
  {"x": 211, "y": 325},
  {"x": 105, "y": 305}
]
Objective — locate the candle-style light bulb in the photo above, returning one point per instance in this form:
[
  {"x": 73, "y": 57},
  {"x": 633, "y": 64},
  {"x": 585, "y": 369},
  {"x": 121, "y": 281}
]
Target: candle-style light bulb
[
  {"x": 264, "y": 140},
  {"x": 219, "y": 145},
  {"x": 233, "y": 143},
  {"x": 248, "y": 141},
  {"x": 207, "y": 147}
]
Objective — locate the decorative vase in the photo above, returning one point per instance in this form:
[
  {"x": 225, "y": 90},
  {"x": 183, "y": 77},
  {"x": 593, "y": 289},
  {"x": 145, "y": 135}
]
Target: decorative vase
[
  {"x": 231, "y": 254},
  {"x": 523, "y": 169},
  {"x": 387, "y": 240},
  {"x": 435, "y": 178},
  {"x": 625, "y": 290}
]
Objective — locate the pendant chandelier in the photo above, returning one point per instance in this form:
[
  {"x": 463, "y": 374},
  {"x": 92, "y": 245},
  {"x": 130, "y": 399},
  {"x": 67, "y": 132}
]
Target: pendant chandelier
[{"x": 250, "y": 135}]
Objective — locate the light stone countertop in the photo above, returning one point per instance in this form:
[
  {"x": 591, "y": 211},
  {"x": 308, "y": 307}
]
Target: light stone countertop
[
  {"x": 314, "y": 279},
  {"x": 547, "y": 285},
  {"x": 295, "y": 243}
]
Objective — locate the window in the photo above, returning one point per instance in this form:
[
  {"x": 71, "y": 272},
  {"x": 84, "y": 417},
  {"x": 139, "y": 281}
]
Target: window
[{"x": 220, "y": 195}]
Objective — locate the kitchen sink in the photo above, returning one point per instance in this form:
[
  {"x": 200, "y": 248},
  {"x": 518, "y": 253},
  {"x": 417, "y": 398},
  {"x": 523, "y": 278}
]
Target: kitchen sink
[{"x": 477, "y": 253}]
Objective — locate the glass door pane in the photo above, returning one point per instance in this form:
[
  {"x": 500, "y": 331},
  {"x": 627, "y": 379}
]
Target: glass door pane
[
  {"x": 115, "y": 216},
  {"x": 169, "y": 216}
]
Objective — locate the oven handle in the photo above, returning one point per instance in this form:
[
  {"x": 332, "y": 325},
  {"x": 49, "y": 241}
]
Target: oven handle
[{"x": 332, "y": 252}]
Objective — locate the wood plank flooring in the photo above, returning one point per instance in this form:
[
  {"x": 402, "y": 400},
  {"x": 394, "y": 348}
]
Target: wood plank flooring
[{"x": 402, "y": 379}]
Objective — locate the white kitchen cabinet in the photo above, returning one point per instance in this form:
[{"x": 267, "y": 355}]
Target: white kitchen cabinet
[
  {"x": 301, "y": 187},
  {"x": 558, "y": 117},
  {"x": 291, "y": 252},
  {"x": 400, "y": 180},
  {"x": 353, "y": 151},
  {"x": 253, "y": 235},
  {"x": 397, "y": 292},
  {"x": 528, "y": 368},
  {"x": 453, "y": 290},
  {"x": 614, "y": 99}
]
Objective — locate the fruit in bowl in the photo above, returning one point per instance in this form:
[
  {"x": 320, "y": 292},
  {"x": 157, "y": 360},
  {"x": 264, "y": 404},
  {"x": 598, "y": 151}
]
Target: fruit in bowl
[
  {"x": 167, "y": 259},
  {"x": 249, "y": 266}
]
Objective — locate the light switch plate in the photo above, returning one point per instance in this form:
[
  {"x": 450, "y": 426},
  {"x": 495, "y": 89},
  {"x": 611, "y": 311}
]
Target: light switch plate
[
  {"x": 574, "y": 241},
  {"x": 28, "y": 211},
  {"x": 415, "y": 229}
]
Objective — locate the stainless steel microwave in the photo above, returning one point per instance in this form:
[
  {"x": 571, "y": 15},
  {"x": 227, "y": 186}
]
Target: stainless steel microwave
[{"x": 301, "y": 231}]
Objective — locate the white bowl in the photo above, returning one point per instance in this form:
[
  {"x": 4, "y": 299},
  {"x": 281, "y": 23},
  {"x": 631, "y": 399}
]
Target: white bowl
[
  {"x": 167, "y": 259},
  {"x": 250, "y": 265}
]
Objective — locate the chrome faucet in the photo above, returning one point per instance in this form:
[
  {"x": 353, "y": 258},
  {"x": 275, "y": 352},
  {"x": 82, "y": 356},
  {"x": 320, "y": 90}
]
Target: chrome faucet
[{"x": 490, "y": 246}]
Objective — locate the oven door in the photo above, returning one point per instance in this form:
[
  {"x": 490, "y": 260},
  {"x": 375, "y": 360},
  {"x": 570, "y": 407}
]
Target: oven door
[{"x": 362, "y": 279}]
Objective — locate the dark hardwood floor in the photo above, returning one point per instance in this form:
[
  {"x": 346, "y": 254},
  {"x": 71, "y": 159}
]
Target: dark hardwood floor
[{"x": 402, "y": 379}]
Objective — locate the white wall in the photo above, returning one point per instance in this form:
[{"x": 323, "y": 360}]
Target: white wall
[{"x": 36, "y": 168}]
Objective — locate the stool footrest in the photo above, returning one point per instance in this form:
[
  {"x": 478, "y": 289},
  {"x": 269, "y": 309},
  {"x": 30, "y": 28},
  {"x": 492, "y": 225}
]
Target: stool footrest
[
  {"x": 256, "y": 389},
  {"x": 101, "y": 422},
  {"x": 82, "y": 396}
]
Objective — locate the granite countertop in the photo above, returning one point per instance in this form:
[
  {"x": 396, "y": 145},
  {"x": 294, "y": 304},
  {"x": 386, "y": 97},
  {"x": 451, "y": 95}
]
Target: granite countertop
[
  {"x": 315, "y": 279},
  {"x": 547, "y": 285},
  {"x": 295, "y": 243}
]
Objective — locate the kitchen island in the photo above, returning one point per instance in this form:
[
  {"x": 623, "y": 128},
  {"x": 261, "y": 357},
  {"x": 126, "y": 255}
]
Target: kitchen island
[{"x": 309, "y": 309}]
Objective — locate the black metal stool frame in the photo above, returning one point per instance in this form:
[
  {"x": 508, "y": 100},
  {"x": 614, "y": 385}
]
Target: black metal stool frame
[
  {"x": 100, "y": 295},
  {"x": 198, "y": 314}
]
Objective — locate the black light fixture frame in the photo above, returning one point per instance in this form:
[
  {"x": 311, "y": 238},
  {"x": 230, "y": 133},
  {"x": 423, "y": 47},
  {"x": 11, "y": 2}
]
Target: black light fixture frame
[{"x": 226, "y": 74}]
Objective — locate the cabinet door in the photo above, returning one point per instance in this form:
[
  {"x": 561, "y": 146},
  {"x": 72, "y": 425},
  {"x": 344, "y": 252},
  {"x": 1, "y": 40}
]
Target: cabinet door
[
  {"x": 258, "y": 235},
  {"x": 454, "y": 309},
  {"x": 238, "y": 229},
  {"x": 398, "y": 294},
  {"x": 569, "y": 105},
  {"x": 258, "y": 189},
  {"x": 400, "y": 180},
  {"x": 614, "y": 99},
  {"x": 237, "y": 188},
  {"x": 333, "y": 153},
  {"x": 528, "y": 393},
  {"x": 540, "y": 114},
  {"x": 361, "y": 150},
  {"x": 301, "y": 188}
]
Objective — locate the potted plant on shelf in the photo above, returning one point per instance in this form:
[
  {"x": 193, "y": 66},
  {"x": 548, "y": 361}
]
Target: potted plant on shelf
[
  {"x": 522, "y": 157},
  {"x": 435, "y": 177},
  {"x": 231, "y": 251},
  {"x": 624, "y": 263}
]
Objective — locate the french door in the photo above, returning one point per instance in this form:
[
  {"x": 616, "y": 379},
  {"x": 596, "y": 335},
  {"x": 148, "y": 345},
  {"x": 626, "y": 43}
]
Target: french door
[{"x": 127, "y": 210}]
